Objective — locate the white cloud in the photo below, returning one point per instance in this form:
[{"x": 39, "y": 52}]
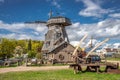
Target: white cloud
[
  {"x": 74, "y": 43},
  {"x": 116, "y": 45},
  {"x": 1, "y": 1},
  {"x": 55, "y": 3},
  {"x": 92, "y": 9},
  {"x": 115, "y": 15},
  {"x": 23, "y": 31},
  {"x": 21, "y": 36},
  {"x": 107, "y": 46},
  {"x": 10, "y": 36},
  {"x": 107, "y": 28},
  {"x": 77, "y": 0},
  {"x": 94, "y": 42}
]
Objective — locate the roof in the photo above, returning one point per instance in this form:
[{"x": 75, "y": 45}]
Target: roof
[
  {"x": 57, "y": 48},
  {"x": 59, "y": 20},
  {"x": 58, "y": 17},
  {"x": 111, "y": 50}
]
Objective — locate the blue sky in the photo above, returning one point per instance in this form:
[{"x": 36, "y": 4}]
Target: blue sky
[
  {"x": 30, "y": 10},
  {"x": 98, "y": 18}
]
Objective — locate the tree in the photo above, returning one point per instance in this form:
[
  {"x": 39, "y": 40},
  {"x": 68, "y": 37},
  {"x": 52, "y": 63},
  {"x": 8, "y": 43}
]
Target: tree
[
  {"x": 29, "y": 45},
  {"x": 31, "y": 54},
  {"x": 6, "y": 48},
  {"x": 18, "y": 51},
  {"x": 39, "y": 56},
  {"x": 23, "y": 44},
  {"x": 9, "y": 47}
]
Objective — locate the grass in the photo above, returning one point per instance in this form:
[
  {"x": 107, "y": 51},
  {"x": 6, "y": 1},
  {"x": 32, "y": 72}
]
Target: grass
[
  {"x": 34, "y": 65},
  {"x": 14, "y": 65},
  {"x": 57, "y": 75},
  {"x": 114, "y": 59}
]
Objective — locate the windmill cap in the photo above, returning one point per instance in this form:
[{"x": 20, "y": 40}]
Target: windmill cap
[{"x": 59, "y": 20}]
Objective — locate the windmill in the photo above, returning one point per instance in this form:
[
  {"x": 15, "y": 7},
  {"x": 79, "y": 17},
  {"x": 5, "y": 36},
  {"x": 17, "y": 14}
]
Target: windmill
[
  {"x": 55, "y": 37},
  {"x": 56, "y": 47}
]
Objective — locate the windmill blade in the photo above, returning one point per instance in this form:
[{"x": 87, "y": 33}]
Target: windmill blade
[
  {"x": 97, "y": 47},
  {"x": 85, "y": 36},
  {"x": 36, "y": 22}
]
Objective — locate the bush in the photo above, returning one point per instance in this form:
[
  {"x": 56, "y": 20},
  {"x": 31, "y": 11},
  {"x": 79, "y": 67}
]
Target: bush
[
  {"x": 38, "y": 56},
  {"x": 31, "y": 54}
]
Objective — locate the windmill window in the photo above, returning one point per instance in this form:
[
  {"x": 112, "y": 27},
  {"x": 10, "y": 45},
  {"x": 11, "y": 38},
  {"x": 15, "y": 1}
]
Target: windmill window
[
  {"x": 68, "y": 52},
  {"x": 65, "y": 45},
  {"x": 47, "y": 43},
  {"x": 57, "y": 27},
  {"x": 61, "y": 40},
  {"x": 58, "y": 35}
]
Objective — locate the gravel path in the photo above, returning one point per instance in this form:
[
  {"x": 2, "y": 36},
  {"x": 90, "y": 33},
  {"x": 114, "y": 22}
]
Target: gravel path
[{"x": 23, "y": 68}]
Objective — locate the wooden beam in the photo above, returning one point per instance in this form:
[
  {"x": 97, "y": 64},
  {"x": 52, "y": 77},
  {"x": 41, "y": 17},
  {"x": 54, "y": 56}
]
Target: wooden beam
[
  {"x": 99, "y": 44},
  {"x": 85, "y": 36}
]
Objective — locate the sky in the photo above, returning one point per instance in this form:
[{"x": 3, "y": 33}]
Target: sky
[{"x": 97, "y": 18}]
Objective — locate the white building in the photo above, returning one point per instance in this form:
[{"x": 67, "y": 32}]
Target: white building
[{"x": 109, "y": 51}]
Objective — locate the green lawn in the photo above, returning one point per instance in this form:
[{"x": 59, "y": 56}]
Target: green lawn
[{"x": 58, "y": 75}]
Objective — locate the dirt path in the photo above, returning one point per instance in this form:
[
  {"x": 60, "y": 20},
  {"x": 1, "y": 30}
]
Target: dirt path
[{"x": 23, "y": 68}]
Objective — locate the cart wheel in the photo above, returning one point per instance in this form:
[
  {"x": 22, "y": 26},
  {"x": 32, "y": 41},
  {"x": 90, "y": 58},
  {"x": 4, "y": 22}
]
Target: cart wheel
[{"x": 7, "y": 64}]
